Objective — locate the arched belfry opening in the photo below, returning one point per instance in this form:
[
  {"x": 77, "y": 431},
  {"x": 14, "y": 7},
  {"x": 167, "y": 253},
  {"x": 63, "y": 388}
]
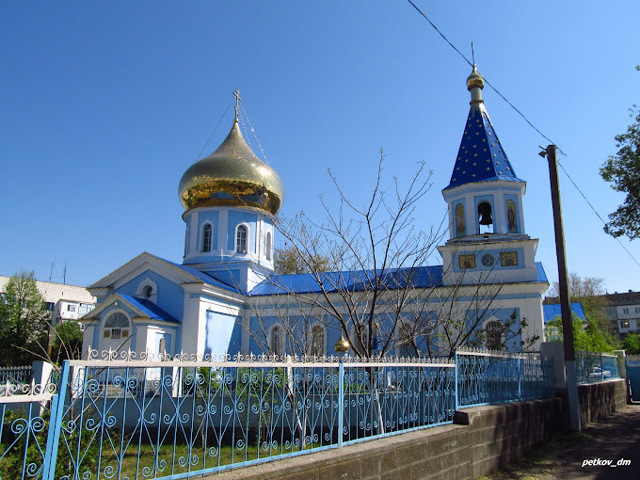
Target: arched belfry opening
[{"x": 484, "y": 217}]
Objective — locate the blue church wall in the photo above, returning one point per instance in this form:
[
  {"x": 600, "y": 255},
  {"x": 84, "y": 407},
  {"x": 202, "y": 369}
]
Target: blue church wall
[
  {"x": 223, "y": 334},
  {"x": 230, "y": 276},
  {"x": 170, "y": 296}
]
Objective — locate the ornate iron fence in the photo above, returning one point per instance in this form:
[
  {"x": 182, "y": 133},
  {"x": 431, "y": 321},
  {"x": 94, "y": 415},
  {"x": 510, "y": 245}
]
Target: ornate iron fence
[
  {"x": 592, "y": 367},
  {"x": 15, "y": 375},
  {"x": 487, "y": 377},
  {"x": 126, "y": 417}
]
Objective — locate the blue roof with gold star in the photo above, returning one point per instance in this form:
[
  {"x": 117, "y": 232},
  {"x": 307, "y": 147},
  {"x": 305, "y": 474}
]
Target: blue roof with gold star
[{"x": 481, "y": 157}]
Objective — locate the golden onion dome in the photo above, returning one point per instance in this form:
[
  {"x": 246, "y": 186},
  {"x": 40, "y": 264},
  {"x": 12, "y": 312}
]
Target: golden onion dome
[
  {"x": 232, "y": 176},
  {"x": 475, "y": 80}
]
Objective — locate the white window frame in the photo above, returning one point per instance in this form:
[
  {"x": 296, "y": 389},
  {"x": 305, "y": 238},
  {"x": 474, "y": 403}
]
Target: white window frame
[
  {"x": 141, "y": 292},
  {"x": 117, "y": 332},
  {"x": 203, "y": 238},
  {"x": 281, "y": 348},
  {"x": 268, "y": 245},
  {"x": 246, "y": 239},
  {"x": 323, "y": 347}
]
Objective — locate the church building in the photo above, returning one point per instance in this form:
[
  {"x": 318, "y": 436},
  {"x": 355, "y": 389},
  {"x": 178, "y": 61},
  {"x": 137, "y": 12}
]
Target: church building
[{"x": 225, "y": 299}]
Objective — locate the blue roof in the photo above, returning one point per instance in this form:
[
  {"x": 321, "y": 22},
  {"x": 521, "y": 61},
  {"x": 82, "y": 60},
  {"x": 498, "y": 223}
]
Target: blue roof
[
  {"x": 357, "y": 281},
  {"x": 150, "y": 309},
  {"x": 481, "y": 157},
  {"x": 202, "y": 276},
  {"x": 551, "y": 311},
  {"x": 542, "y": 275}
]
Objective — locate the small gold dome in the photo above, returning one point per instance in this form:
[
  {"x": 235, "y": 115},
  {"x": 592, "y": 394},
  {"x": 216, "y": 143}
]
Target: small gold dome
[
  {"x": 342, "y": 345},
  {"x": 232, "y": 176},
  {"x": 475, "y": 80}
]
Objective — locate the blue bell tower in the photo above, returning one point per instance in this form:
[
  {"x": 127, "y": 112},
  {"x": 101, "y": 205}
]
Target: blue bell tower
[{"x": 487, "y": 236}]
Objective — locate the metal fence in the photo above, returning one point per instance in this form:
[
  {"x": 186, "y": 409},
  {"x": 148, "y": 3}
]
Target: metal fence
[
  {"x": 15, "y": 376},
  {"x": 129, "y": 418},
  {"x": 592, "y": 367},
  {"x": 484, "y": 378}
]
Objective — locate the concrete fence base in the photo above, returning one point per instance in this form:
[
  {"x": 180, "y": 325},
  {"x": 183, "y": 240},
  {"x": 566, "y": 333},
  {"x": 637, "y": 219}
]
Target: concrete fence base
[{"x": 481, "y": 440}]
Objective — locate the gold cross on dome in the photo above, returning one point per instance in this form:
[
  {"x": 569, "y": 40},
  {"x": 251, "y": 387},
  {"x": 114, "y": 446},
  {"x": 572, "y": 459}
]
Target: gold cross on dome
[{"x": 236, "y": 93}]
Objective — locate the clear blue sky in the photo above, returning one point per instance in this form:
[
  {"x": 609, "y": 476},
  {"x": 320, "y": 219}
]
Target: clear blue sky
[{"x": 105, "y": 104}]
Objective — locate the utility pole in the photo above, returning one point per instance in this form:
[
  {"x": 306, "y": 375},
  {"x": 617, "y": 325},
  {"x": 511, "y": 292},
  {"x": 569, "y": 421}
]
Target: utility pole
[{"x": 563, "y": 283}]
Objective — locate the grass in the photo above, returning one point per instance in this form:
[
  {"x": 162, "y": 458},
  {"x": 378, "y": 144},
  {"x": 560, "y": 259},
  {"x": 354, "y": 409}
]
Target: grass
[{"x": 172, "y": 460}]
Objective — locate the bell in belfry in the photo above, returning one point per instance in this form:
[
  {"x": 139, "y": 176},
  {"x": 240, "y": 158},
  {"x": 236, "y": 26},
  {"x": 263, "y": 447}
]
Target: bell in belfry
[{"x": 484, "y": 212}]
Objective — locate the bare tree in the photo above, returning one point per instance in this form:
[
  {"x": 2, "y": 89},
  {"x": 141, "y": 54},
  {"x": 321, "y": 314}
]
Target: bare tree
[
  {"x": 581, "y": 286},
  {"x": 367, "y": 276}
]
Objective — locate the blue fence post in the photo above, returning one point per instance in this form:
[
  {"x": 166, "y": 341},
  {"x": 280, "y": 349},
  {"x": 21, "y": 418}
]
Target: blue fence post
[
  {"x": 340, "y": 402},
  {"x": 455, "y": 386},
  {"x": 55, "y": 425},
  {"x": 520, "y": 375}
]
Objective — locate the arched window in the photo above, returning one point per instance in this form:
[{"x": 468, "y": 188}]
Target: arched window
[
  {"x": 461, "y": 228},
  {"x": 116, "y": 326},
  {"x": 207, "y": 235},
  {"x": 267, "y": 245},
  {"x": 276, "y": 340},
  {"x": 493, "y": 331},
  {"x": 512, "y": 218},
  {"x": 484, "y": 214},
  {"x": 241, "y": 239},
  {"x": 148, "y": 289},
  {"x": 318, "y": 341}
]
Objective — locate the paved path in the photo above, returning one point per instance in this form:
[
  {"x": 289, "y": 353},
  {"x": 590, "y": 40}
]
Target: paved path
[{"x": 584, "y": 456}]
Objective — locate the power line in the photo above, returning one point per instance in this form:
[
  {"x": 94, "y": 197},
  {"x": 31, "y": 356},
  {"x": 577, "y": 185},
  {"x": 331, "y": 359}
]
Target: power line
[
  {"x": 485, "y": 80},
  {"x": 526, "y": 120},
  {"x": 441, "y": 34},
  {"x": 596, "y": 212}
]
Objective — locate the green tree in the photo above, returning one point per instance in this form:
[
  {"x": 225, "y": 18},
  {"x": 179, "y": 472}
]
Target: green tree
[
  {"x": 631, "y": 344},
  {"x": 67, "y": 342},
  {"x": 623, "y": 171},
  {"x": 289, "y": 260},
  {"x": 586, "y": 337},
  {"x": 589, "y": 292},
  {"x": 24, "y": 322}
]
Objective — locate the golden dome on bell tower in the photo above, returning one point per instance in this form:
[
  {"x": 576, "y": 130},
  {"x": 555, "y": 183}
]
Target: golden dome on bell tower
[
  {"x": 232, "y": 176},
  {"x": 475, "y": 80}
]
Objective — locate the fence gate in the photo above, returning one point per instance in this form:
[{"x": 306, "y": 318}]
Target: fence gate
[{"x": 633, "y": 375}]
